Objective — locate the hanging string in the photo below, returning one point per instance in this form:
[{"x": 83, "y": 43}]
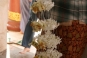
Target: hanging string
[
  {"x": 42, "y": 15},
  {"x": 78, "y": 11},
  {"x": 82, "y": 9}
]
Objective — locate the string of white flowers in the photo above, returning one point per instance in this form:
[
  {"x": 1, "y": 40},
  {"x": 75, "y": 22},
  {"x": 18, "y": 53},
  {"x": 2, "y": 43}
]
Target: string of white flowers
[
  {"x": 46, "y": 44},
  {"x": 50, "y": 41}
]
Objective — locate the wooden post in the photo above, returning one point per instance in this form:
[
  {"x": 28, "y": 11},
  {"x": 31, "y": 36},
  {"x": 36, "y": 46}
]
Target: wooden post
[{"x": 14, "y": 15}]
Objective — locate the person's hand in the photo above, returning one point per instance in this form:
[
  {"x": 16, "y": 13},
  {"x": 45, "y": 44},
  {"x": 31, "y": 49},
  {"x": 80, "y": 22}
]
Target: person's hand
[{"x": 30, "y": 0}]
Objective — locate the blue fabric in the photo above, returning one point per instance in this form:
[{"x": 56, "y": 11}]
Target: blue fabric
[{"x": 28, "y": 33}]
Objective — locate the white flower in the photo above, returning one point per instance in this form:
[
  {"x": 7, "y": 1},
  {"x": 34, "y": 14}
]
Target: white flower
[
  {"x": 49, "y": 24},
  {"x": 50, "y": 53},
  {"x": 48, "y": 5},
  {"x": 50, "y": 41},
  {"x": 41, "y": 5}
]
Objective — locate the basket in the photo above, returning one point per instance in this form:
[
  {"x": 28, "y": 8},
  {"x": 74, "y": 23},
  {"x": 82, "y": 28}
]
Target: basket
[{"x": 74, "y": 39}]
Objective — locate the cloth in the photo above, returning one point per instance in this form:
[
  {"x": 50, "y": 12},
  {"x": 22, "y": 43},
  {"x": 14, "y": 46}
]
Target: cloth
[
  {"x": 65, "y": 10},
  {"x": 28, "y": 33},
  {"x": 25, "y": 13}
]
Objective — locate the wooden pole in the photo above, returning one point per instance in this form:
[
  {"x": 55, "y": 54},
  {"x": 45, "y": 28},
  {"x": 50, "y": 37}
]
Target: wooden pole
[{"x": 14, "y": 15}]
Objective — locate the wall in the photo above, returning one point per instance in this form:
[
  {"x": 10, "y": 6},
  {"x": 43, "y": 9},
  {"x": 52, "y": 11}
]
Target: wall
[{"x": 3, "y": 23}]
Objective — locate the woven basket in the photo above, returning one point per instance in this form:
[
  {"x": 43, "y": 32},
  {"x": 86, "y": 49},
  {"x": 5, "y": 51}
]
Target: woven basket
[{"x": 74, "y": 39}]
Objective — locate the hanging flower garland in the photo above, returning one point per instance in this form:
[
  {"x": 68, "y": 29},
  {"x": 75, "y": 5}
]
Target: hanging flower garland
[{"x": 45, "y": 44}]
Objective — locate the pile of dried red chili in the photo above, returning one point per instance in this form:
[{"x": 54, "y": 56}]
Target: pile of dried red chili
[{"x": 74, "y": 39}]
